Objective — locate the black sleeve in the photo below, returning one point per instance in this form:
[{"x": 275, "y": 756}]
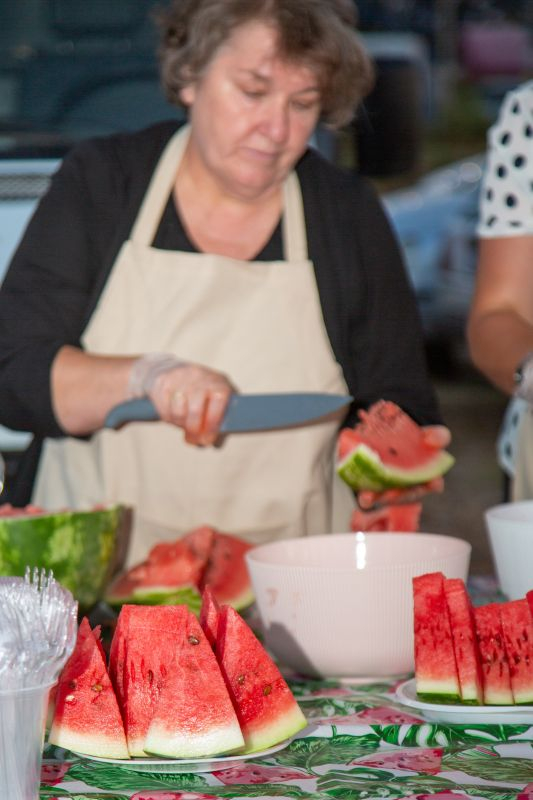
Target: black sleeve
[
  {"x": 49, "y": 288},
  {"x": 367, "y": 300}
]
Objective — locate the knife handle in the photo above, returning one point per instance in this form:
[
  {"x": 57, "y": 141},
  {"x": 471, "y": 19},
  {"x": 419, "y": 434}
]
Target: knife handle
[{"x": 141, "y": 409}]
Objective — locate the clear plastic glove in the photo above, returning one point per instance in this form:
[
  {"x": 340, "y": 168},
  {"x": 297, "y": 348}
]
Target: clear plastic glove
[
  {"x": 191, "y": 396},
  {"x": 437, "y": 436}
]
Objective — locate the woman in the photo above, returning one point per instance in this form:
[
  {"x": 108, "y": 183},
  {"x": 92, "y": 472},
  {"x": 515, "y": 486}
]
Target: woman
[
  {"x": 222, "y": 257},
  {"x": 500, "y": 327}
]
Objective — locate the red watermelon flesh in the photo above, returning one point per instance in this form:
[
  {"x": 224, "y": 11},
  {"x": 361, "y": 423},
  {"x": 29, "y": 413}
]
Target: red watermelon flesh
[
  {"x": 87, "y": 717},
  {"x": 194, "y": 716},
  {"x": 388, "y": 449},
  {"x": 198, "y": 542},
  {"x": 496, "y": 676},
  {"x": 404, "y": 517},
  {"x": 265, "y": 706},
  {"x": 517, "y": 630},
  {"x": 435, "y": 667},
  {"x": 226, "y": 572},
  {"x": 153, "y": 639},
  {"x": 209, "y": 615},
  {"x": 465, "y": 644}
]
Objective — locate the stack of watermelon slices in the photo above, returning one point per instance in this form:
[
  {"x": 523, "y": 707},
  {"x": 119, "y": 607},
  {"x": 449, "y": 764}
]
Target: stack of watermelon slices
[
  {"x": 471, "y": 655},
  {"x": 168, "y": 692},
  {"x": 176, "y": 572}
]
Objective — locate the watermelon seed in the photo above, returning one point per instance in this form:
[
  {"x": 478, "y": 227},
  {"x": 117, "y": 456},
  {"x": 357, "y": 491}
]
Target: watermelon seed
[
  {"x": 240, "y": 680},
  {"x": 97, "y": 687},
  {"x": 194, "y": 640},
  {"x": 267, "y": 689},
  {"x": 392, "y": 451},
  {"x": 72, "y": 684}
]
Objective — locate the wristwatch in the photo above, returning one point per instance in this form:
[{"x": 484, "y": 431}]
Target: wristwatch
[{"x": 523, "y": 377}]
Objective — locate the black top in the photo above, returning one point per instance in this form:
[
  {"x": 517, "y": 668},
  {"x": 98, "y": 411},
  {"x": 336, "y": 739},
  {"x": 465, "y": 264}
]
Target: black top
[{"x": 70, "y": 245}]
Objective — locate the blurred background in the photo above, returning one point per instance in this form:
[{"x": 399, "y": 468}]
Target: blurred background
[{"x": 71, "y": 69}]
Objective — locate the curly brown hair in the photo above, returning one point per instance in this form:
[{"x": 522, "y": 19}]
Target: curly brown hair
[{"x": 317, "y": 33}]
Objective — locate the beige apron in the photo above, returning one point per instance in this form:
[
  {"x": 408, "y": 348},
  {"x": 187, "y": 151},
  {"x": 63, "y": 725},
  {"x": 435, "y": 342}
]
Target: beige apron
[{"x": 258, "y": 322}]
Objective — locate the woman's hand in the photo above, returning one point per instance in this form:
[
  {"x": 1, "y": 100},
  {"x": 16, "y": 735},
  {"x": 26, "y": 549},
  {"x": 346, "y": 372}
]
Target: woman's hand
[
  {"x": 437, "y": 436},
  {"x": 194, "y": 398}
]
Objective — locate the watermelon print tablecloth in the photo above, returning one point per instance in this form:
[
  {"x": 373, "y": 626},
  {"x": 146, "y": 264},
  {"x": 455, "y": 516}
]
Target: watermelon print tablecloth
[{"x": 360, "y": 744}]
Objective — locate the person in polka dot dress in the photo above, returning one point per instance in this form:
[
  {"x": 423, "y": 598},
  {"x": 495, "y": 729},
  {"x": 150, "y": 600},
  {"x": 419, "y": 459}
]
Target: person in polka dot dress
[{"x": 500, "y": 326}]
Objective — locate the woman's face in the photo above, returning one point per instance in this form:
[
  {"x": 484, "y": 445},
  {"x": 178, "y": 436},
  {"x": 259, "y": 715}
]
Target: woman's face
[{"x": 251, "y": 113}]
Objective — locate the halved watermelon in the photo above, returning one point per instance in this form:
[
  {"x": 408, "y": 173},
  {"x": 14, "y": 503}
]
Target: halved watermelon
[
  {"x": 152, "y": 639},
  {"x": 209, "y": 616},
  {"x": 465, "y": 644},
  {"x": 194, "y": 716},
  {"x": 435, "y": 667},
  {"x": 494, "y": 663},
  {"x": 176, "y": 572},
  {"x": 86, "y": 716},
  {"x": 387, "y": 449},
  {"x": 517, "y": 630},
  {"x": 265, "y": 706}
]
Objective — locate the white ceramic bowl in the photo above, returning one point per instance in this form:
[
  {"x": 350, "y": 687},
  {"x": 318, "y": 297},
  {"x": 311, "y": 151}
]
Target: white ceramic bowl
[
  {"x": 510, "y": 533},
  {"x": 341, "y": 605}
]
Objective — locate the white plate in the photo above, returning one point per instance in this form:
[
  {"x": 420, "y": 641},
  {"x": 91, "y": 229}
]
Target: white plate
[
  {"x": 463, "y": 714},
  {"x": 190, "y": 765}
]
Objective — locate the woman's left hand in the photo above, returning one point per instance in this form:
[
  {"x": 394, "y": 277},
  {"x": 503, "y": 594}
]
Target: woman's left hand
[{"x": 437, "y": 436}]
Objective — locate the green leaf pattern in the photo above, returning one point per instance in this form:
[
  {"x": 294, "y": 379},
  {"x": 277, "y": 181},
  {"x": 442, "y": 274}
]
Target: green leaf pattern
[{"x": 334, "y": 759}]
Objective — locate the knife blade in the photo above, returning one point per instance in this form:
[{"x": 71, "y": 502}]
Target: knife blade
[{"x": 246, "y": 412}]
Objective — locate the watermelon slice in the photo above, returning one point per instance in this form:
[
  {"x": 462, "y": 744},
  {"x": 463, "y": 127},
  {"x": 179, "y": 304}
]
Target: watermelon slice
[
  {"x": 387, "y": 450},
  {"x": 517, "y": 630},
  {"x": 87, "y": 717},
  {"x": 209, "y": 616},
  {"x": 176, "y": 572},
  {"x": 494, "y": 663},
  {"x": 152, "y": 636},
  {"x": 265, "y": 706},
  {"x": 435, "y": 667},
  {"x": 465, "y": 644},
  {"x": 194, "y": 715},
  {"x": 405, "y": 517},
  {"x": 226, "y": 572}
]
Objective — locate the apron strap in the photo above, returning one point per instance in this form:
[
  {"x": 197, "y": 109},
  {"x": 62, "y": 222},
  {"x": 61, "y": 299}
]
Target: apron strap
[{"x": 160, "y": 187}]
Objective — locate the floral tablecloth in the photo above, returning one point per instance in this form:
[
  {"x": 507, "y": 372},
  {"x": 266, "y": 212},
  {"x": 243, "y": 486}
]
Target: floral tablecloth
[{"x": 360, "y": 744}]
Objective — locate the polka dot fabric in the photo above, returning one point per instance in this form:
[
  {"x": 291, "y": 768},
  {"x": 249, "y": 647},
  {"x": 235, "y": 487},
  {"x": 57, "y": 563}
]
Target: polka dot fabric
[{"x": 506, "y": 204}]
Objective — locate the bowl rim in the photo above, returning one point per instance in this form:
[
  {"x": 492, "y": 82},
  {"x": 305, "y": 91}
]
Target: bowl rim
[{"x": 464, "y": 548}]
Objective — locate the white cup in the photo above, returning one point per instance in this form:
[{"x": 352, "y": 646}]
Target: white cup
[
  {"x": 22, "y": 724},
  {"x": 510, "y": 534}
]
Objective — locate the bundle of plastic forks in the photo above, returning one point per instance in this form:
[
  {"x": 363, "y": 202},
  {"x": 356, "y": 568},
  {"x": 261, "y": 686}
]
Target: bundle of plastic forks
[
  {"x": 38, "y": 626},
  {"x": 38, "y": 623}
]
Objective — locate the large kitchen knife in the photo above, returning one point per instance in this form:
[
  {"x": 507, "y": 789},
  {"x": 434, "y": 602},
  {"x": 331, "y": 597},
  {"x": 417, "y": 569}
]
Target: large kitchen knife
[{"x": 246, "y": 412}]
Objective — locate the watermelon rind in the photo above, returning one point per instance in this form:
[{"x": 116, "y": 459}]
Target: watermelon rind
[
  {"x": 80, "y": 547},
  {"x": 363, "y": 469},
  {"x": 159, "y": 596}
]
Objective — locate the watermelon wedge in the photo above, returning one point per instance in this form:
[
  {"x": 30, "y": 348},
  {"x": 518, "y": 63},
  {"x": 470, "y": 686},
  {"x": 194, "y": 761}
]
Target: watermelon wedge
[
  {"x": 387, "y": 450},
  {"x": 435, "y": 666},
  {"x": 175, "y": 573},
  {"x": 226, "y": 572},
  {"x": 265, "y": 706},
  {"x": 86, "y": 716},
  {"x": 465, "y": 644},
  {"x": 153, "y": 638},
  {"x": 404, "y": 517},
  {"x": 494, "y": 663},
  {"x": 209, "y": 616},
  {"x": 194, "y": 715},
  {"x": 517, "y": 630}
]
